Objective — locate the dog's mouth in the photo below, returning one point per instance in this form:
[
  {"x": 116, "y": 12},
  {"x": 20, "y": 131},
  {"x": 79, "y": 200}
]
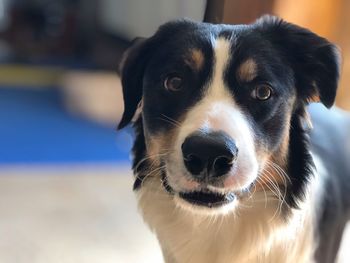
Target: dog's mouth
[
  {"x": 204, "y": 198},
  {"x": 207, "y": 199}
]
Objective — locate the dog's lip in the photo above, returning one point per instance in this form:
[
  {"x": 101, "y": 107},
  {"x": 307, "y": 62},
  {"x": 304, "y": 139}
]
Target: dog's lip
[
  {"x": 203, "y": 197},
  {"x": 207, "y": 198}
]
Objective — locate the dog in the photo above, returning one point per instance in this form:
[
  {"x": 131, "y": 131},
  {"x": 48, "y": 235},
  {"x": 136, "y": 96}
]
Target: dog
[{"x": 227, "y": 165}]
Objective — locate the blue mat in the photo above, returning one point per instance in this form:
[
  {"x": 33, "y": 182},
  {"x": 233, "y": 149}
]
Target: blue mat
[{"x": 35, "y": 128}]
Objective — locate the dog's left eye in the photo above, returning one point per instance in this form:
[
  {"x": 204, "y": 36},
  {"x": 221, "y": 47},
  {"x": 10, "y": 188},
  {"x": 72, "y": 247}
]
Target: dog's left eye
[
  {"x": 262, "y": 92},
  {"x": 173, "y": 83}
]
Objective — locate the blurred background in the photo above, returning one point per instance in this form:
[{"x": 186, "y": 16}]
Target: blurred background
[{"x": 65, "y": 179}]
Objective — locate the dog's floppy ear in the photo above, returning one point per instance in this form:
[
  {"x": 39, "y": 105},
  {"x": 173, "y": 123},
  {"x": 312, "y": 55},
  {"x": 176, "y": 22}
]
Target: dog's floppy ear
[
  {"x": 131, "y": 69},
  {"x": 314, "y": 60}
]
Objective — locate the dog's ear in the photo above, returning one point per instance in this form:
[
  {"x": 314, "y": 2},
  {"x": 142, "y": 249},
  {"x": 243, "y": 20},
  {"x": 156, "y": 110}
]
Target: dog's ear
[
  {"x": 131, "y": 68},
  {"x": 314, "y": 60}
]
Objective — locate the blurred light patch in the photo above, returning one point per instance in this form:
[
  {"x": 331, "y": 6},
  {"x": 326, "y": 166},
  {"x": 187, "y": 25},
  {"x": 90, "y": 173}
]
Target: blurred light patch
[{"x": 3, "y": 14}]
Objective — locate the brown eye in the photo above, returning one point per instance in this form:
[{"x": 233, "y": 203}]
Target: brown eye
[
  {"x": 262, "y": 92},
  {"x": 173, "y": 83}
]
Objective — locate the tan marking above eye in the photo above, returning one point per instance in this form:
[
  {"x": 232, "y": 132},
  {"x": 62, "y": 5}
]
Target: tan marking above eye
[
  {"x": 247, "y": 71},
  {"x": 195, "y": 59}
]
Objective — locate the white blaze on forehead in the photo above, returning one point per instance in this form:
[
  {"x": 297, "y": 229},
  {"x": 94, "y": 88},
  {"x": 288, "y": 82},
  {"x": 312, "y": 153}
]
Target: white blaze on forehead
[
  {"x": 217, "y": 103},
  {"x": 222, "y": 55},
  {"x": 216, "y": 97}
]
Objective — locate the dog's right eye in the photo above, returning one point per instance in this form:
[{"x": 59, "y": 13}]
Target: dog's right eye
[
  {"x": 173, "y": 83},
  {"x": 262, "y": 92}
]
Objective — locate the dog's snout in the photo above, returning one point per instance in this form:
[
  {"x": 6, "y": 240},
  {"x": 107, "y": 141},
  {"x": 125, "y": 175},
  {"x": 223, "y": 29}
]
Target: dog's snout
[{"x": 213, "y": 153}]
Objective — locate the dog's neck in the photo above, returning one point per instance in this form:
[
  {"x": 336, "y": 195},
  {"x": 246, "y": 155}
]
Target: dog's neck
[{"x": 253, "y": 233}]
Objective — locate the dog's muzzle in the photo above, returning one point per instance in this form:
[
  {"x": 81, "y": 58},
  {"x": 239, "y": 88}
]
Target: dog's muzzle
[{"x": 208, "y": 158}]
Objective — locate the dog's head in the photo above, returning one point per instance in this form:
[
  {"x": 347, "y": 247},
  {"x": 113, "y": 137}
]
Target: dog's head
[{"x": 223, "y": 108}]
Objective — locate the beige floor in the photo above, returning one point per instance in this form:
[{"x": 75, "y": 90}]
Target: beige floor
[{"x": 74, "y": 215}]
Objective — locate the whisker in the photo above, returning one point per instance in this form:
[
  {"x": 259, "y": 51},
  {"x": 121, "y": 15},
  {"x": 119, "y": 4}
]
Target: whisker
[
  {"x": 280, "y": 171},
  {"x": 271, "y": 188},
  {"x": 170, "y": 120},
  {"x": 284, "y": 182},
  {"x": 272, "y": 181},
  {"x": 262, "y": 186},
  {"x": 151, "y": 172},
  {"x": 276, "y": 191},
  {"x": 147, "y": 158}
]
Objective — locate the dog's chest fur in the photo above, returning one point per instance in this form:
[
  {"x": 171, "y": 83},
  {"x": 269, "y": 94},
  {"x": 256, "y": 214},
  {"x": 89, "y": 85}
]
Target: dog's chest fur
[{"x": 254, "y": 233}]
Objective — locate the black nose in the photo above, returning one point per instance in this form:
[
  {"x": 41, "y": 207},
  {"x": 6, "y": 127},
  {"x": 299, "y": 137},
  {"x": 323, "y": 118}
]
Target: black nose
[{"x": 212, "y": 153}]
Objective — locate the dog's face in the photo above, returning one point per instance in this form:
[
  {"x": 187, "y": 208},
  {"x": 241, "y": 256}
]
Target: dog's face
[{"x": 218, "y": 104}]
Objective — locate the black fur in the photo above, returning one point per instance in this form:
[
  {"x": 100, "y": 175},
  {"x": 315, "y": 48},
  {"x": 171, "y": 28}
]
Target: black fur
[{"x": 300, "y": 163}]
